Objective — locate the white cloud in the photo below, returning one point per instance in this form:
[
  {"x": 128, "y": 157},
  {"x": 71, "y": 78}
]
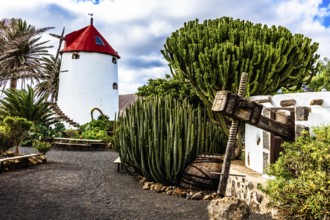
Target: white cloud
[
  {"x": 295, "y": 11},
  {"x": 138, "y": 28},
  {"x": 159, "y": 28},
  {"x": 130, "y": 79}
]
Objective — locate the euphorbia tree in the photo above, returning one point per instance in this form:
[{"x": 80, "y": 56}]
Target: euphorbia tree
[
  {"x": 322, "y": 79},
  {"x": 212, "y": 56}
]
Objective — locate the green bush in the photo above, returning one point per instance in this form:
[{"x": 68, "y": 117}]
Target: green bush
[
  {"x": 160, "y": 136},
  {"x": 18, "y": 130},
  {"x": 101, "y": 128},
  {"x": 5, "y": 141},
  {"x": 44, "y": 133},
  {"x": 96, "y": 134},
  {"x": 42, "y": 146},
  {"x": 301, "y": 188},
  {"x": 71, "y": 133}
]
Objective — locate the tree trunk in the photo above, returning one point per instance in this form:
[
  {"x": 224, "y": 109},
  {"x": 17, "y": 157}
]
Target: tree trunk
[
  {"x": 16, "y": 149},
  {"x": 13, "y": 84}
]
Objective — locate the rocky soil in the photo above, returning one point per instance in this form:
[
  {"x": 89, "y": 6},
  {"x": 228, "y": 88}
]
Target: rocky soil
[{"x": 86, "y": 185}]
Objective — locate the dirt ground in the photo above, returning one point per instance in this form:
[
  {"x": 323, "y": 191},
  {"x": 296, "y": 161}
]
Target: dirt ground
[{"x": 86, "y": 185}]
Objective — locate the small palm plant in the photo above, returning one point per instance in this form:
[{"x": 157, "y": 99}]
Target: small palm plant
[{"x": 25, "y": 104}]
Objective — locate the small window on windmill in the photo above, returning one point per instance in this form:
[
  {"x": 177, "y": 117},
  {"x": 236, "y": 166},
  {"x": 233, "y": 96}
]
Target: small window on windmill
[
  {"x": 99, "y": 41},
  {"x": 75, "y": 56},
  {"x": 114, "y": 60},
  {"x": 115, "y": 86}
]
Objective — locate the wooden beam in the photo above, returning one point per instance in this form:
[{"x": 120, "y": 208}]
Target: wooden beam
[
  {"x": 250, "y": 112},
  {"x": 277, "y": 128},
  {"x": 238, "y": 175},
  {"x": 232, "y": 137},
  {"x": 57, "y": 36},
  {"x": 233, "y": 106}
]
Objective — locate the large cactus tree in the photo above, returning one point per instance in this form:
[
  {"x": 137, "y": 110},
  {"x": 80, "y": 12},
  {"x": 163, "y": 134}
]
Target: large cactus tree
[{"x": 212, "y": 55}]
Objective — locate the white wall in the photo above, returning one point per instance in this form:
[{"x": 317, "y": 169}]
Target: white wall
[
  {"x": 253, "y": 151},
  {"x": 88, "y": 84},
  {"x": 319, "y": 115}
]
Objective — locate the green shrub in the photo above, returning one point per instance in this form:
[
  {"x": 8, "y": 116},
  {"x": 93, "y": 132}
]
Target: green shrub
[
  {"x": 160, "y": 136},
  {"x": 5, "y": 141},
  {"x": 102, "y": 129},
  {"x": 96, "y": 134},
  {"x": 301, "y": 188},
  {"x": 71, "y": 133},
  {"x": 44, "y": 133},
  {"x": 18, "y": 130},
  {"x": 42, "y": 146},
  {"x": 102, "y": 123}
]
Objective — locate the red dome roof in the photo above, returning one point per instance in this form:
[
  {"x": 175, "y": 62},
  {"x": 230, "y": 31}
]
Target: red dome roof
[{"x": 88, "y": 39}]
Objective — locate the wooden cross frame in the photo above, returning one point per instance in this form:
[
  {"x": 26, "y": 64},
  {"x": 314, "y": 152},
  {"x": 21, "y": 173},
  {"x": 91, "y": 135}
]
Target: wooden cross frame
[
  {"x": 250, "y": 112},
  {"x": 57, "y": 73},
  {"x": 240, "y": 109}
]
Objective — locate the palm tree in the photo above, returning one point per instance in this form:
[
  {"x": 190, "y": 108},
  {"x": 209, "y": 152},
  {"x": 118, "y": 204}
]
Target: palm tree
[
  {"x": 25, "y": 104},
  {"x": 49, "y": 81},
  {"x": 20, "y": 51}
]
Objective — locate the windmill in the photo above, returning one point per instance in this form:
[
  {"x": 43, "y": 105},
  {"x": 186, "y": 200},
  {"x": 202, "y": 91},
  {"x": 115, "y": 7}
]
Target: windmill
[{"x": 88, "y": 76}]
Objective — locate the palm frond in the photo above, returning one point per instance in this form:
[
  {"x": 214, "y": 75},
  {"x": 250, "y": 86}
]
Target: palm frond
[
  {"x": 21, "y": 50},
  {"x": 26, "y": 104}
]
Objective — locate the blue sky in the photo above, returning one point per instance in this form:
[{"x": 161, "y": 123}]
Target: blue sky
[
  {"x": 325, "y": 6},
  {"x": 137, "y": 29}
]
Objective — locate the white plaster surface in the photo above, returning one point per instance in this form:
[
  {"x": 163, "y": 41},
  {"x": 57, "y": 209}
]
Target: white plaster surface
[
  {"x": 319, "y": 115},
  {"x": 88, "y": 84}
]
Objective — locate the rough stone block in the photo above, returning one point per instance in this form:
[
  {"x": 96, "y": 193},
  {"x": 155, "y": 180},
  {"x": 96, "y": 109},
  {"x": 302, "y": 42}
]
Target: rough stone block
[
  {"x": 316, "y": 102},
  {"x": 197, "y": 196},
  {"x": 250, "y": 186},
  {"x": 265, "y": 161},
  {"x": 302, "y": 113},
  {"x": 288, "y": 102},
  {"x": 265, "y": 135},
  {"x": 266, "y": 113},
  {"x": 300, "y": 129},
  {"x": 158, "y": 187},
  {"x": 228, "y": 208}
]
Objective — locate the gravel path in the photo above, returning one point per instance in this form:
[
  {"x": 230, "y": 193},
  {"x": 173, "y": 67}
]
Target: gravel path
[{"x": 86, "y": 185}]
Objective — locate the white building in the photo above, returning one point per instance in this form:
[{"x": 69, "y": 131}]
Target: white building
[
  {"x": 89, "y": 75},
  {"x": 307, "y": 110}
]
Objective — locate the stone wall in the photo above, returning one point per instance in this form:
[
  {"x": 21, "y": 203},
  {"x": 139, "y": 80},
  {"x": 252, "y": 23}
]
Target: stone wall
[{"x": 249, "y": 190}]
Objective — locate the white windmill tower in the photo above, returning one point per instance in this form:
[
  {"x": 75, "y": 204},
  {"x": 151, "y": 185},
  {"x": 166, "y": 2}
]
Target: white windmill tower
[{"x": 88, "y": 75}]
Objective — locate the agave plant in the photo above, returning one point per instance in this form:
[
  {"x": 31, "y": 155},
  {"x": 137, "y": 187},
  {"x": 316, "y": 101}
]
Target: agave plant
[{"x": 25, "y": 104}]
